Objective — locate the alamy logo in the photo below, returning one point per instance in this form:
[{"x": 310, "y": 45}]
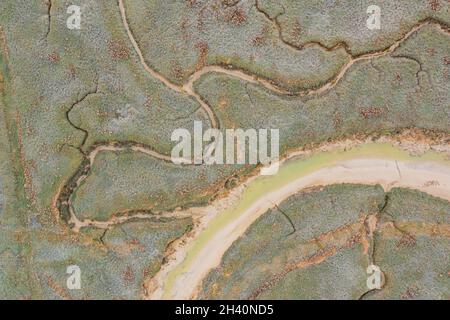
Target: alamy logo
[
  {"x": 236, "y": 146},
  {"x": 376, "y": 277},
  {"x": 74, "y": 20},
  {"x": 74, "y": 280},
  {"x": 374, "y": 20}
]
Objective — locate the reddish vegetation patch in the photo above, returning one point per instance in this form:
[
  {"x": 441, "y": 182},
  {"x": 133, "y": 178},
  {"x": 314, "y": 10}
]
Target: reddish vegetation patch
[
  {"x": 128, "y": 275},
  {"x": 191, "y": 3},
  {"x": 447, "y": 61},
  {"x": 184, "y": 29},
  {"x": 260, "y": 39},
  {"x": 177, "y": 71},
  {"x": 118, "y": 50},
  {"x": 236, "y": 16},
  {"x": 446, "y": 74},
  {"x": 136, "y": 244},
  {"x": 410, "y": 292},
  {"x": 53, "y": 57},
  {"x": 202, "y": 47},
  {"x": 146, "y": 272},
  {"x": 370, "y": 112},
  {"x": 200, "y": 23},
  {"x": 3, "y": 43},
  {"x": 355, "y": 239},
  {"x": 407, "y": 240},
  {"x": 296, "y": 30},
  {"x": 434, "y": 4},
  {"x": 148, "y": 102},
  {"x": 398, "y": 79}
]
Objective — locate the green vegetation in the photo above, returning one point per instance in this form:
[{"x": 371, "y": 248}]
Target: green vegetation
[
  {"x": 179, "y": 37},
  {"x": 331, "y": 22},
  {"x": 113, "y": 263},
  {"x": 63, "y": 92},
  {"x": 318, "y": 244},
  {"x": 135, "y": 181},
  {"x": 409, "y": 88}
]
